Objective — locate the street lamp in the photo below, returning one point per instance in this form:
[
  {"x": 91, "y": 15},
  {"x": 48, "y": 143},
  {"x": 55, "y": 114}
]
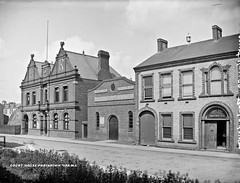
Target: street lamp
[{"x": 45, "y": 112}]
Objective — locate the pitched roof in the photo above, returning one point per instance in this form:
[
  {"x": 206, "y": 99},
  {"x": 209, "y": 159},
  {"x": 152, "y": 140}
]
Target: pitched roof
[
  {"x": 199, "y": 49},
  {"x": 87, "y": 65}
]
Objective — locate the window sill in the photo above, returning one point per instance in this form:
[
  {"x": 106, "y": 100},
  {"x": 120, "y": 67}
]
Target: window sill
[
  {"x": 149, "y": 100},
  {"x": 218, "y": 95},
  {"x": 187, "y": 142},
  {"x": 165, "y": 140},
  {"x": 166, "y": 99},
  {"x": 190, "y": 98}
]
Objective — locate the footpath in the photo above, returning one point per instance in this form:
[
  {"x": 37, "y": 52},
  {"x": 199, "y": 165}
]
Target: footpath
[{"x": 116, "y": 144}]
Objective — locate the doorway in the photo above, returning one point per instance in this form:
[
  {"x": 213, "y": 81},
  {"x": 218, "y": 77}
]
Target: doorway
[
  {"x": 113, "y": 128},
  {"x": 25, "y": 119},
  {"x": 147, "y": 128}
]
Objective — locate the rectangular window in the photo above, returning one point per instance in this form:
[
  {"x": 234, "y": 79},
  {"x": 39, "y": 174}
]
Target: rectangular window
[
  {"x": 225, "y": 82},
  {"x": 188, "y": 123},
  {"x": 57, "y": 94},
  {"x": 65, "y": 93},
  {"x": 34, "y": 98},
  {"x": 167, "y": 126},
  {"x": 148, "y": 87},
  {"x": 187, "y": 84},
  {"x": 28, "y": 99},
  {"x": 166, "y": 86}
]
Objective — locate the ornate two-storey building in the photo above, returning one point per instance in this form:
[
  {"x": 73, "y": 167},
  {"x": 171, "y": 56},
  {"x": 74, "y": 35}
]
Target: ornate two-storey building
[{"x": 54, "y": 96}]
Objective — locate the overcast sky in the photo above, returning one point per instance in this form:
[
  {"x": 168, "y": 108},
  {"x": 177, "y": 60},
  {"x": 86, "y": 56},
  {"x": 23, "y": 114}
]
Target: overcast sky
[{"x": 128, "y": 30}]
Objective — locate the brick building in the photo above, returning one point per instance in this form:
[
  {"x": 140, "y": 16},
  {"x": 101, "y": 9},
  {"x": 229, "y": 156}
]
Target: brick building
[
  {"x": 111, "y": 110},
  {"x": 186, "y": 95},
  {"x": 54, "y": 96}
]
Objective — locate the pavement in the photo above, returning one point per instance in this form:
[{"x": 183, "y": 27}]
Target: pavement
[{"x": 116, "y": 144}]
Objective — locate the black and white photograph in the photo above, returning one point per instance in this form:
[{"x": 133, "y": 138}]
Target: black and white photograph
[{"x": 120, "y": 91}]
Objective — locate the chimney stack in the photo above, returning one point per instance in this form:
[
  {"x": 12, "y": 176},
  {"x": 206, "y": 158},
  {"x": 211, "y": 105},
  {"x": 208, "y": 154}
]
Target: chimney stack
[
  {"x": 103, "y": 65},
  {"x": 216, "y": 32},
  {"x": 161, "y": 44}
]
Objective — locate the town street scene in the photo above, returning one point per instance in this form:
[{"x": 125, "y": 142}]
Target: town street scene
[{"x": 120, "y": 91}]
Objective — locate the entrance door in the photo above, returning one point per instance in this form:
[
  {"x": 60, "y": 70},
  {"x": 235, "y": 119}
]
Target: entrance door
[
  {"x": 113, "y": 128},
  {"x": 147, "y": 128},
  {"x": 221, "y": 134},
  {"x": 211, "y": 135},
  {"x": 26, "y": 123}
]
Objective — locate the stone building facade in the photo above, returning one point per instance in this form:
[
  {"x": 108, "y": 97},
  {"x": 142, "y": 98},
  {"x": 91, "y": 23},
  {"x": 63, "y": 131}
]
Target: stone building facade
[
  {"x": 186, "y": 95},
  {"x": 111, "y": 110},
  {"x": 54, "y": 96}
]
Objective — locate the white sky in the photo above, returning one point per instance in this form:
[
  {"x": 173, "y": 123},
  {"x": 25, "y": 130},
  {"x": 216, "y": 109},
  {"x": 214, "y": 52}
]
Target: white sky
[{"x": 128, "y": 30}]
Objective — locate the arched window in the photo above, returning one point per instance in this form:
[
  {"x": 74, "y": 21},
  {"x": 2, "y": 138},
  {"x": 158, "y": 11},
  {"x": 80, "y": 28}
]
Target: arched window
[
  {"x": 215, "y": 80},
  {"x": 130, "y": 121},
  {"x": 55, "y": 121},
  {"x": 34, "y": 121},
  {"x": 66, "y": 121},
  {"x": 97, "y": 121}
]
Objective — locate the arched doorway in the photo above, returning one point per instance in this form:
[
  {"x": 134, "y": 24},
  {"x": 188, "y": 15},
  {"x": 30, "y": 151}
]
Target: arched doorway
[
  {"x": 25, "y": 119},
  {"x": 215, "y": 128},
  {"x": 147, "y": 128},
  {"x": 113, "y": 128}
]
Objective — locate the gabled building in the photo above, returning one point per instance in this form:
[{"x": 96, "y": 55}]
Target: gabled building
[
  {"x": 54, "y": 96},
  {"x": 186, "y": 95},
  {"x": 111, "y": 110}
]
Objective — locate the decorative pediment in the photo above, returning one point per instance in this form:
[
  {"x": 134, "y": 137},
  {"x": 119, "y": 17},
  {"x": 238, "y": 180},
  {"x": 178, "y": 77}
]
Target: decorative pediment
[
  {"x": 32, "y": 73},
  {"x": 62, "y": 64}
]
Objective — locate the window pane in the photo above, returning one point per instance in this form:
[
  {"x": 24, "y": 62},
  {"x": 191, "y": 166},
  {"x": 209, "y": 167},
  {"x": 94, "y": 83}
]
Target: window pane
[
  {"x": 167, "y": 120},
  {"x": 215, "y": 73},
  {"x": 187, "y": 91},
  {"x": 166, "y": 92},
  {"x": 148, "y": 93},
  {"x": 187, "y": 120},
  {"x": 148, "y": 81},
  {"x": 187, "y": 77},
  {"x": 225, "y": 82},
  {"x": 166, "y": 79},
  {"x": 216, "y": 87},
  {"x": 188, "y": 133},
  {"x": 167, "y": 132}
]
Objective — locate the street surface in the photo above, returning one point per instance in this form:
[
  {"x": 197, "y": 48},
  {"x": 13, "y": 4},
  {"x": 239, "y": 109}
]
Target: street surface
[{"x": 201, "y": 165}]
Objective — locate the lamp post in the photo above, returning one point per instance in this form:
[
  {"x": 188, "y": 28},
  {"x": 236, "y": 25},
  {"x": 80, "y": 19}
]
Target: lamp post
[{"x": 45, "y": 112}]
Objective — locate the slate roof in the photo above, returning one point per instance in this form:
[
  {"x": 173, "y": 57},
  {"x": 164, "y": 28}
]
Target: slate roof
[
  {"x": 87, "y": 65},
  {"x": 193, "y": 50}
]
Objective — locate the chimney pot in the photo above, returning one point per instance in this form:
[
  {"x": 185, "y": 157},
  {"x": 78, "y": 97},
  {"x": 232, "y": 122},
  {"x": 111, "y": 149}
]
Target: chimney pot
[
  {"x": 161, "y": 44},
  {"x": 104, "y": 71},
  {"x": 216, "y": 32}
]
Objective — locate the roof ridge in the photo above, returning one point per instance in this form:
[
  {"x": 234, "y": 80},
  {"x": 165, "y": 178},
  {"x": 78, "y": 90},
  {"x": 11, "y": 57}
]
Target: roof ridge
[{"x": 81, "y": 54}]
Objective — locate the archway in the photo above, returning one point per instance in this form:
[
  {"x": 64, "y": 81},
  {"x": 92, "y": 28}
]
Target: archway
[
  {"x": 113, "y": 128},
  {"x": 25, "y": 119},
  {"x": 215, "y": 127},
  {"x": 147, "y": 128}
]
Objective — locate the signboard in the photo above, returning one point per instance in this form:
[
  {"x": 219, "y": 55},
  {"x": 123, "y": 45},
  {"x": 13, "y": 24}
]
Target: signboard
[{"x": 216, "y": 113}]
